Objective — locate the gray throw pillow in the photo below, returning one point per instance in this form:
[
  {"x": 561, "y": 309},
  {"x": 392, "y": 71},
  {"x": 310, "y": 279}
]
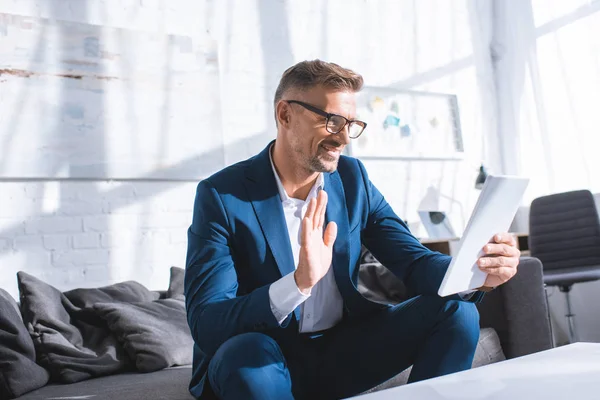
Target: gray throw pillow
[
  {"x": 19, "y": 373},
  {"x": 126, "y": 292},
  {"x": 155, "y": 335},
  {"x": 175, "y": 290},
  {"x": 72, "y": 342}
]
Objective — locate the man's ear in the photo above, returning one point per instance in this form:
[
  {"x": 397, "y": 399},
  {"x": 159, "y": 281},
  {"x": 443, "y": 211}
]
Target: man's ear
[{"x": 282, "y": 113}]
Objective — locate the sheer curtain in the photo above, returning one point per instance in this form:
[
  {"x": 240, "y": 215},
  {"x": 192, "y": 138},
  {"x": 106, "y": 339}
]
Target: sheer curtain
[{"x": 547, "y": 69}]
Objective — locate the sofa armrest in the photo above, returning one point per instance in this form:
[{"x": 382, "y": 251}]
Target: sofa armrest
[{"x": 518, "y": 311}]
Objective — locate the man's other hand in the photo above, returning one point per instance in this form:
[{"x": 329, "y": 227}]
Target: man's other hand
[
  {"x": 315, "y": 247},
  {"x": 500, "y": 260}
]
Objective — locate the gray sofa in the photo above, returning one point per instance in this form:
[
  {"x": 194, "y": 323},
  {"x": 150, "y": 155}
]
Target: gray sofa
[{"x": 514, "y": 322}]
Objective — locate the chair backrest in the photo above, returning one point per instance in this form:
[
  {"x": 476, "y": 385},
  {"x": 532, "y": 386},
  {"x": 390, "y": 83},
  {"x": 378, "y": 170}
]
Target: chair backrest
[{"x": 564, "y": 230}]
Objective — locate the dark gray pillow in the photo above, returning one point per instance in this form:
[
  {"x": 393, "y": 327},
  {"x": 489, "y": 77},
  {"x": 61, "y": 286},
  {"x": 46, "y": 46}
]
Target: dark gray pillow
[
  {"x": 126, "y": 292},
  {"x": 72, "y": 342},
  {"x": 19, "y": 373},
  {"x": 155, "y": 335},
  {"x": 175, "y": 290}
]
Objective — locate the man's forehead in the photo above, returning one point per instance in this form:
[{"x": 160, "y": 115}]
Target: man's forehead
[{"x": 333, "y": 101}]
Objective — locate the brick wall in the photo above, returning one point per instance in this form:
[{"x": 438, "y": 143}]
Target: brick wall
[{"x": 93, "y": 233}]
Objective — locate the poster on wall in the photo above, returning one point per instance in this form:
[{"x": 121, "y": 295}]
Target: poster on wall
[
  {"x": 88, "y": 101},
  {"x": 407, "y": 125}
]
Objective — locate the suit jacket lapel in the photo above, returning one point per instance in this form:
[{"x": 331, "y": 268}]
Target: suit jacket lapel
[
  {"x": 338, "y": 212},
  {"x": 266, "y": 202}
]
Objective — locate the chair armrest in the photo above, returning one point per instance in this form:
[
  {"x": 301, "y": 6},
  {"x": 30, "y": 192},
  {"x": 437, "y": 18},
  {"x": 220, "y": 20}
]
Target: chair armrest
[{"x": 518, "y": 311}]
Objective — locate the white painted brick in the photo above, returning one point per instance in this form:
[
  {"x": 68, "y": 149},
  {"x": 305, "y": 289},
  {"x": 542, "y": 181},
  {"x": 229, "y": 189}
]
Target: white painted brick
[
  {"x": 66, "y": 190},
  {"x": 96, "y": 223},
  {"x": 124, "y": 222},
  {"x": 53, "y": 225},
  {"x": 99, "y": 274},
  {"x": 178, "y": 236},
  {"x": 164, "y": 220},
  {"x": 117, "y": 239},
  {"x": 5, "y": 244},
  {"x": 134, "y": 238},
  {"x": 57, "y": 242},
  {"x": 18, "y": 206},
  {"x": 28, "y": 242},
  {"x": 11, "y": 227},
  {"x": 86, "y": 276},
  {"x": 80, "y": 208},
  {"x": 153, "y": 189},
  {"x": 126, "y": 206},
  {"x": 80, "y": 257},
  {"x": 86, "y": 241},
  {"x": 112, "y": 223},
  {"x": 13, "y": 189},
  {"x": 31, "y": 261},
  {"x": 34, "y": 190},
  {"x": 110, "y": 190}
]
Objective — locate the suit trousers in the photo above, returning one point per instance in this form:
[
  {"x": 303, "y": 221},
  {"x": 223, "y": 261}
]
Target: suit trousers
[{"x": 435, "y": 335}]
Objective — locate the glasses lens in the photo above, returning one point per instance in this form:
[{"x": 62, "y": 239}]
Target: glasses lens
[
  {"x": 335, "y": 123},
  {"x": 355, "y": 129}
]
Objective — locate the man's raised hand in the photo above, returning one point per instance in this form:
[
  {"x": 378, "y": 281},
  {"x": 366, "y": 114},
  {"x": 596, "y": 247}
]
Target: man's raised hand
[{"x": 316, "y": 247}]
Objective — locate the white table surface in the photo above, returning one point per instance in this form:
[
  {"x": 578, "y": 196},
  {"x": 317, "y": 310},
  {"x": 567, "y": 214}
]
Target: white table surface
[{"x": 567, "y": 372}]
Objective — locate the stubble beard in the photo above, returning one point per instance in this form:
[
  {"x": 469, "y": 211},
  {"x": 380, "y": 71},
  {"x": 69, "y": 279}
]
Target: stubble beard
[
  {"x": 319, "y": 162},
  {"x": 322, "y": 162}
]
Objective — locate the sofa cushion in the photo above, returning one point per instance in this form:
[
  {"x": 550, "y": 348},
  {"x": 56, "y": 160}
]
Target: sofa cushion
[
  {"x": 126, "y": 292},
  {"x": 19, "y": 373},
  {"x": 154, "y": 334},
  {"x": 488, "y": 351},
  {"x": 72, "y": 342},
  {"x": 167, "y": 384}
]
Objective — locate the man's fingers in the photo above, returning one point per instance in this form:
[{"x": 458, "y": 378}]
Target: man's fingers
[
  {"x": 500, "y": 250},
  {"x": 326, "y": 200},
  {"x": 495, "y": 262},
  {"x": 306, "y": 231},
  {"x": 488, "y": 262},
  {"x": 330, "y": 234},
  {"x": 320, "y": 213},
  {"x": 310, "y": 211},
  {"x": 504, "y": 273},
  {"x": 504, "y": 238}
]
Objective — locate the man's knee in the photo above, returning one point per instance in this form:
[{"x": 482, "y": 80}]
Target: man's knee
[
  {"x": 462, "y": 316},
  {"x": 456, "y": 315},
  {"x": 245, "y": 352}
]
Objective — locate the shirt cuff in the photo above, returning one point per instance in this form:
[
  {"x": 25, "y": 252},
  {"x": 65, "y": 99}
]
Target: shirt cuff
[
  {"x": 466, "y": 295},
  {"x": 284, "y": 297}
]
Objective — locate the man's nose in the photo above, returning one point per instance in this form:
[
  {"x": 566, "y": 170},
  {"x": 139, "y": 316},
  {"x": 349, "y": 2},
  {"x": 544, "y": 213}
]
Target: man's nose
[{"x": 344, "y": 135}]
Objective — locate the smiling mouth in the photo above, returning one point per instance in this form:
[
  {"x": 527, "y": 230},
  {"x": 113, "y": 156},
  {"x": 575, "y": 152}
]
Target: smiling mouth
[{"x": 332, "y": 151}]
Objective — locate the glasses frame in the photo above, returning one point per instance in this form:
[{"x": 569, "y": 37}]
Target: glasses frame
[{"x": 328, "y": 116}]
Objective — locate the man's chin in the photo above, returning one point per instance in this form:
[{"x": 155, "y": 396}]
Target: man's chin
[{"x": 326, "y": 164}]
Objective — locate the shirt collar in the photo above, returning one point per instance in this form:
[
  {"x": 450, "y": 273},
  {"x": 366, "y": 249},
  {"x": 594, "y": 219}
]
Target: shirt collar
[{"x": 319, "y": 183}]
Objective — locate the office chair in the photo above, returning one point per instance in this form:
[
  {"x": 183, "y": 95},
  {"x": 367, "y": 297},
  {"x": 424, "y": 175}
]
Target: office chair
[{"x": 564, "y": 233}]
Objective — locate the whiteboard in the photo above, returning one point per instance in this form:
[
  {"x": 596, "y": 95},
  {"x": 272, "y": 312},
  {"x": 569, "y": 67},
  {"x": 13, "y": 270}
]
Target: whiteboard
[
  {"x": 404, "y": 124},
  {"x": 87, "y": 101}
]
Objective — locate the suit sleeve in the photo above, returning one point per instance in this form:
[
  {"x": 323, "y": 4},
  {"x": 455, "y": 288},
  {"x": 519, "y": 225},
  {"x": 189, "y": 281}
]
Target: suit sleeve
[
  {"x": 214, "y": 310},
  {"x": 390, "y": 241}
]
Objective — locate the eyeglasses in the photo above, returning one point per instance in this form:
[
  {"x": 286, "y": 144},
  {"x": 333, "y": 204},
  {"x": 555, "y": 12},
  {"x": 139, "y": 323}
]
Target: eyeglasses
[{"x": 335, "y": 123}]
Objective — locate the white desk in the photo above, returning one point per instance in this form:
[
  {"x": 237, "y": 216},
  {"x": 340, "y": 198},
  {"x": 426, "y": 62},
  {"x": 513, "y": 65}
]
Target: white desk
[{"x": 568, "y": 372}]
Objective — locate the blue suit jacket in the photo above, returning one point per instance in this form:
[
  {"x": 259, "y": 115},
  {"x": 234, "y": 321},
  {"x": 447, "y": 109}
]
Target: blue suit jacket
[{"x": 238, "y": 244}]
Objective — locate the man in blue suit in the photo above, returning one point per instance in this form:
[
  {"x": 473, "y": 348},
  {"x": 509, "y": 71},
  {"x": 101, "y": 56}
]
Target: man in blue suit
[{"x": 273, "y": 257}]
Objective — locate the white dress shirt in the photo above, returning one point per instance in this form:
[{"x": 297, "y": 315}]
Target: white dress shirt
[{"x": 322, "y": 308}]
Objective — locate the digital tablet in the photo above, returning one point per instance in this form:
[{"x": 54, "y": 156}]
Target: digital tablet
[{"x": 495, "y": 209}]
